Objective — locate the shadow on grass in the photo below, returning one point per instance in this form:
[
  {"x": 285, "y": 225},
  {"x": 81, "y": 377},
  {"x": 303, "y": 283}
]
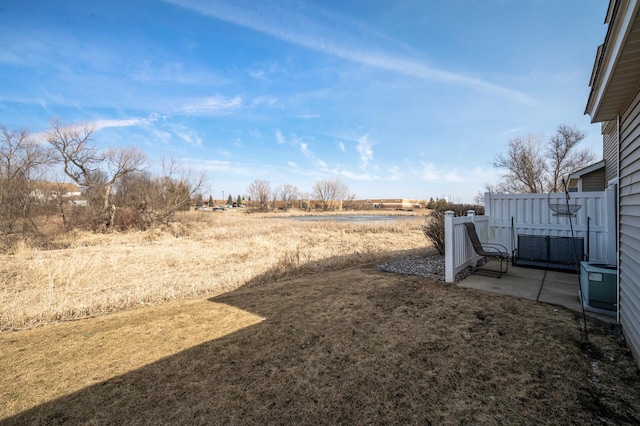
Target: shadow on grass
[
  {"x": 156, "y": 392},
  {"x": 354, "y": 346}
]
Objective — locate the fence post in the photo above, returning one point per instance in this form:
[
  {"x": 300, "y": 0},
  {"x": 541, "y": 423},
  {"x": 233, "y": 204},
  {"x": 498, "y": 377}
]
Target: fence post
[
  {"x": 612, "y": 255},
  {"x": 487, "y": 204},
  {"x": 449, "y": 247}
]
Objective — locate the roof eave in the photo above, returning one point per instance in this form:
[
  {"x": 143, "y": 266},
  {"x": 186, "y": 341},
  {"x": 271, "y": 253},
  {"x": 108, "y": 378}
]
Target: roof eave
[
  {"x": 586, "y": 170},
  {"x": 603, "y": 105}
]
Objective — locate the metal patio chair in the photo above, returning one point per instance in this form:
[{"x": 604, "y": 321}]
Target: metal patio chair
[{"x": 488, "y": 250}]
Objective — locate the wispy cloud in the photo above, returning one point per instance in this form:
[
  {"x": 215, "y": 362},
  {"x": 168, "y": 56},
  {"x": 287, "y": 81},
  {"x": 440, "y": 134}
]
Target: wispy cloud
[
  {"x": 514, "y": 130},
  {"x": 356, "y": 176},
  {"x": 127, "y": 122},
  {"x": 174, "y": 72},
  {"x": 264, "y": 100},
  {"x": 299, "y": 143},
  {"x": 265, "y": 72},
  {"x": 364, "y": 147},
  {"x": 287, "y": 23},
  {"x": 161, "y": 135},
  {"x": 341, "y": 146},
  {"x": 304, "y": 149},
  {"x": 210, "y": 106},
  {"x": 228, "y": 167},
  {"x": 189, "y": 136},
  {"x": 307, "y": 116},
  {"x": 432, "y": 173},
  {"x": 110, "y": 123},
  {"x": 394, "y": 173}
]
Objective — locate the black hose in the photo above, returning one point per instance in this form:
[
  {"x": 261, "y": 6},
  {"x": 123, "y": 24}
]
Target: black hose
[{"x": 575, "y": 257}]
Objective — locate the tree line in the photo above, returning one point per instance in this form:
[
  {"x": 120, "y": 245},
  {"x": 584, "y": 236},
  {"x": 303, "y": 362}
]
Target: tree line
[
  {"x": 118, "y": 190},
  {"x": 326, "y": 192}
]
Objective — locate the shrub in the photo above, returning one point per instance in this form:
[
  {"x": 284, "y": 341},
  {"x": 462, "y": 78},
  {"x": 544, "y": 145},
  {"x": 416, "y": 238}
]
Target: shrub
[
  {"x": 129, "y": 219},
  {"x": 433, "y": 229}
]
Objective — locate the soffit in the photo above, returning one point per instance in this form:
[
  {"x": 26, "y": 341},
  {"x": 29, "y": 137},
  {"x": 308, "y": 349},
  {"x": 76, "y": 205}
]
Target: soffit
[{"x": 617, "y": 69}]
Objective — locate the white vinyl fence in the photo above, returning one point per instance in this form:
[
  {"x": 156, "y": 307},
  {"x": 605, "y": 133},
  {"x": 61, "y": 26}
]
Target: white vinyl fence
[
  {"x": 458, "y": 251},
  {"x": 510, "y": 215}
]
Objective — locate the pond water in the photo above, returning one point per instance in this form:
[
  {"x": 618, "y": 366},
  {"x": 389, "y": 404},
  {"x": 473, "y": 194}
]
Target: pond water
[{"x": 351, "y": 218}]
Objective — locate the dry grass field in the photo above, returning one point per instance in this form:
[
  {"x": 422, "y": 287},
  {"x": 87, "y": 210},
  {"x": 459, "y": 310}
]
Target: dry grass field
[
  {"x": 303, "y": 331},
  {"x": 206, "y": 254}
]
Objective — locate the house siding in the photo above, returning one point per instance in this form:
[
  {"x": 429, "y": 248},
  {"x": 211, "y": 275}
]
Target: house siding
[
  {"x": 610, "y": 150},
  {"x": 629, "y": 231},
  {"x": 594, "y": 181}
]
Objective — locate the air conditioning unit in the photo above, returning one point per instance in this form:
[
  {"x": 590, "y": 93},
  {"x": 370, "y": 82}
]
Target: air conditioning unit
[{"x": 598, "y": 287}]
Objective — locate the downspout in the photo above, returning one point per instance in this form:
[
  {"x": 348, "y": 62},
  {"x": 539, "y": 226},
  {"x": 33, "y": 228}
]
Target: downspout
[{"x": 617, "y": 206}]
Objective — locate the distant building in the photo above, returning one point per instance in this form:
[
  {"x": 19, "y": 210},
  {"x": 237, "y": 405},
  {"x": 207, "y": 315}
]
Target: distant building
[
  {"x": 51, "y": 190},
  {"x": 392, "y": 203}
]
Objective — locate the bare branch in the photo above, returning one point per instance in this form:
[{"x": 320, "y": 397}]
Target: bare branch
[
  {"x": 287, "y": 194},
  {"x": 329, "y": 191},
  {"x": 260, "y": 191},
  {"x": 564, "y": 156},
  {"x": 531, "y": 167},
  {"x": 22, "y": 163},
  {"x": 524, "y": 164},
  {"x": 95, "y": 172}
]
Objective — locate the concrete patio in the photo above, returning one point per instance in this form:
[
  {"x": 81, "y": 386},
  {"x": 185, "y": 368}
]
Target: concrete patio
[{"x": 546, "y": 286}]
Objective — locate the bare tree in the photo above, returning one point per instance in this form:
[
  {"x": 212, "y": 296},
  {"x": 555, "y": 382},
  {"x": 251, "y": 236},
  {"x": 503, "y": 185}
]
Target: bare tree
[
  {"x": 533, "y": 167},
  {"x": 492, "y": 188},
  {"x": 147, "y": 200},
  {"x": 304, "y": 199},
  {"x": 176, "y": 187},
  {"x": 179, "y": 185},
  {"x": 351, "y": 202},
  {"x": 135, "y": 190},
  {"x": 564, "y": 158},
  {"x": 22, "y": 163},
  {"x": 95, "y": 172},
  {"x": 288, "y": 194},
  {"x": 329, "y": 191},
  {"x": 260, "y": 192},
  {"x": 525, "y": 165}
]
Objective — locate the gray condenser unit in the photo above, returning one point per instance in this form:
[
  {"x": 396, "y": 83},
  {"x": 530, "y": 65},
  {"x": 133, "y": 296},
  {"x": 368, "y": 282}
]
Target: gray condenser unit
[{"x": 598, "y": 285}]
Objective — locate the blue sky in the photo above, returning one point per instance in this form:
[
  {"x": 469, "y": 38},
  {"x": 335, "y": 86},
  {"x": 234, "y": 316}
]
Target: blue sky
[{"x": 410, "y": 98}]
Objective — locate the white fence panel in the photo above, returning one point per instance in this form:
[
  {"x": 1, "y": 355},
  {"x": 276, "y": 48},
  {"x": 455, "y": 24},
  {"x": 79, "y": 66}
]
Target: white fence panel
[
  {"x": 513, "y": 214},
  {"x": 459, "y": 252},
  {"x": 510, "y": 215}
]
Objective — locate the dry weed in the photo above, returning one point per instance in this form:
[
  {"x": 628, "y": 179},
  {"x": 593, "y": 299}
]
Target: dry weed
[{"x": 204, "y": 254}]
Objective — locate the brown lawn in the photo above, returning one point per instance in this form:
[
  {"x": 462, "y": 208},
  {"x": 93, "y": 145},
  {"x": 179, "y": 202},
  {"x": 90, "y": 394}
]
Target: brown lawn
[
  {"x": 252, "y": 319},
  {"x": 345, "y": 346}
]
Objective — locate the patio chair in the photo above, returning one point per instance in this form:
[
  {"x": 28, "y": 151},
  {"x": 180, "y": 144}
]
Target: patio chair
[{"x": 488, "y": 250}]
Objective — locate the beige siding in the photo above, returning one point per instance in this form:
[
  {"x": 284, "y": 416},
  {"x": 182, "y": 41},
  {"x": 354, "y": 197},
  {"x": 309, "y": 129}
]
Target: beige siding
[
  {"x": 629, "y": 214},
  {"x": 593, "y": 181},
  {"x": 610, "y": 150}
]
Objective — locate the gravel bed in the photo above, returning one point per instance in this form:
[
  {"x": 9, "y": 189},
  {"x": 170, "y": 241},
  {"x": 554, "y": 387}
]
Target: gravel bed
[{"x": 428, "y": 265}]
